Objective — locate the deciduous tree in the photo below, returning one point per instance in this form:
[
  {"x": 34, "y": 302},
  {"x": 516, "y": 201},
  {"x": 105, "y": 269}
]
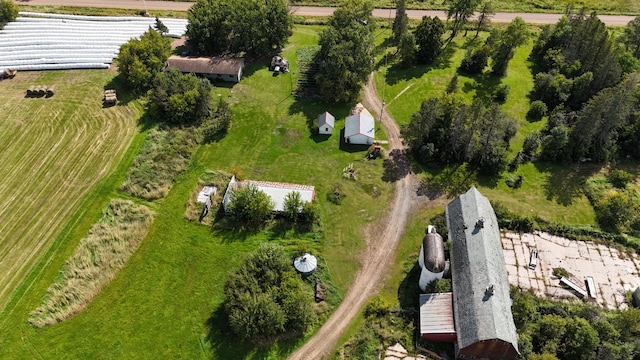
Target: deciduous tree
[
  {"x": 257, "y": 28},
  {"x": 139, "y": 61},
  {"x": 401, "y": 21},
  {"x": 265, "y": 297},
  {"x": 8, "y": 12},
  {"x": 345, "y": 58},
  {"x": 250, "y": 207},
  {"x": 180, "y": 98}
]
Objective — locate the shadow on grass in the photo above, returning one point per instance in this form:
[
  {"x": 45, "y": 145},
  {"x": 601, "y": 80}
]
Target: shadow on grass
[
  {"x": 396, "y": 73},
  {"x": 566, "y": 182},
  {"x": 312, "y": 108},
  {"x": 228, "y": 230},
  {"x": 408, "y": 291},
  {"x": 485, "y": 86},
  {"x": 122, "y": 92},
  {"x": 450, "y": 181},
  {"x": 396, "y": 165}
]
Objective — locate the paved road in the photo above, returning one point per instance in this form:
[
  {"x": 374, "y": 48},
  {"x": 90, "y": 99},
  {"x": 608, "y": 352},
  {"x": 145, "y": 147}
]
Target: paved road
[{"x": 613, "y": 20}]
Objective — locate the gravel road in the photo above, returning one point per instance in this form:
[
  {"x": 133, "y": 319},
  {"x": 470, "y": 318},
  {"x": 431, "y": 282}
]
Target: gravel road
[{"x": 537, "y": 18}]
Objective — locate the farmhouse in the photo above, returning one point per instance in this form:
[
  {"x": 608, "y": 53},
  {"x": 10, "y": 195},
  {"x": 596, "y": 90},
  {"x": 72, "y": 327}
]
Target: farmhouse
[
  {"x": 326, "y": 122},
  {"x": 359, "y": 129},
  {"x": 277, "y": 191},
  {"x": 480, "y": 302},
  {"x": 214, "y": 68}
]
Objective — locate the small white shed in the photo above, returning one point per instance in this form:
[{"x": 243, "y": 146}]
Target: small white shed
[
  {"x": 359, "y": 129},
  {"x": 326, "y": 123}
]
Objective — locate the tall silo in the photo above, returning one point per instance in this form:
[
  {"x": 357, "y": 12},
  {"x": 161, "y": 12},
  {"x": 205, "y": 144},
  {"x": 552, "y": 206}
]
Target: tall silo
[{"x": 431, "y": 258}]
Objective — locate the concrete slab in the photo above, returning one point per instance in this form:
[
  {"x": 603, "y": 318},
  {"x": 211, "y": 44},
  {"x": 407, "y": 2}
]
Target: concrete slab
[{"x": 614, "y": 272}]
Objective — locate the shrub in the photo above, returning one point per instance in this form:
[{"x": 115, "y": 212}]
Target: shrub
[
  {"x": 439, "y": 286},
  {"x": 501, "y": 94},
  {"x": 376, "y": 307},
  {"x": 335, "y": 195},
  {"x": 514, "y": 181},
  {"x": 475, "y": 60},
  {"x": 537, "y": 110},
  {"x": 560, "y": 272},
  {"x": 620, "y": 178},
  {"x": 266, "y": 298},
  {"x": 250, "y": 207}
]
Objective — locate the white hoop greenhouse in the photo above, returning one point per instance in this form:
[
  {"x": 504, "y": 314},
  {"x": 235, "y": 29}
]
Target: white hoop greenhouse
[{"x": 37, "y": 41}]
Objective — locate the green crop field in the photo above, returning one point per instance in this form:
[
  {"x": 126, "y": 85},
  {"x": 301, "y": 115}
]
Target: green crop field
[{"x": 53, "y": 151}]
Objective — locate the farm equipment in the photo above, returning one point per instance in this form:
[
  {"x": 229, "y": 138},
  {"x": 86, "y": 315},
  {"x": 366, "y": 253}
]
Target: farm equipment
[
  {"x": 110, "y": 97},
  {"x": 374, "y": 152}
]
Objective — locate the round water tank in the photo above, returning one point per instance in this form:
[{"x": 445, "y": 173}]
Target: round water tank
[{"x": 305, "y": 264}]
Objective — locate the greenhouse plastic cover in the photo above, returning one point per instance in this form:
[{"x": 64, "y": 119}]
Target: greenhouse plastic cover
[{"x": 37, "y": 41}]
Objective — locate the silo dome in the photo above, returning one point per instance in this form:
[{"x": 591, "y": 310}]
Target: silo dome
[
  {"x": 305, "y": 264},
  {"x": 431, "y": 258}
]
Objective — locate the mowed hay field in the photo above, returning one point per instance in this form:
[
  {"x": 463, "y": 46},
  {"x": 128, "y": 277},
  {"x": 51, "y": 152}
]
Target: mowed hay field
[{"x": 52, "y": 152}]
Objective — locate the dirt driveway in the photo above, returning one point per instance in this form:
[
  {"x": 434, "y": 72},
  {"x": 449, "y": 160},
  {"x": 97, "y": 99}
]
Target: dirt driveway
[{"x": 382, "y": 239}]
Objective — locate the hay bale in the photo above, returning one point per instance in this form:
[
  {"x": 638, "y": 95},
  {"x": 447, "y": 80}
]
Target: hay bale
[
  {"x": 30, "y": 90},
  {"x": 51, "y": 90},
  {"x": 41, "y": 90}
]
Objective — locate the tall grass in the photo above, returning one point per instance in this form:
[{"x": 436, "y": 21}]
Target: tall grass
[
  {"x": 96, "y": 261},
  {"x": 164, "y": 155}
]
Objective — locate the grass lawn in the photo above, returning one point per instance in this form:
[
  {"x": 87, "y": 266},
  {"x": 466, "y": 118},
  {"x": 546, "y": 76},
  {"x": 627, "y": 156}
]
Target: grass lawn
[
  {"x": 54, "y": 151},
  {"x": 165, "y": 302}
]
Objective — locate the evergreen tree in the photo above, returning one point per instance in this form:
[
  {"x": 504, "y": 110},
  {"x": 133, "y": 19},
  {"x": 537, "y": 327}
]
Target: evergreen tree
[
  {"x": 459, "y": 12},
  {"x": 401, "y": 22},
  {"x": 407, "y": 50},
  {"x": 504, "y": 44},
  {"x": 484, "y": 18},
  {"x": 428, "y": 36}
]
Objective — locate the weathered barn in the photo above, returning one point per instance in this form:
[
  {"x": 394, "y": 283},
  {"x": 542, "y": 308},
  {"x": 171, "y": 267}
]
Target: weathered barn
[
  {"x": 481, "y": 302},
  {"x": 214, "y": 68},
  {"x": 277, "y": 191},
  {"x": 326, "y": 123},
  {"x": 359, "y": 129}
]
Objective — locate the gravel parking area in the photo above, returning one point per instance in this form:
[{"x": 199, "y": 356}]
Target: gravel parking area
[{"x": 614, "y": 273}]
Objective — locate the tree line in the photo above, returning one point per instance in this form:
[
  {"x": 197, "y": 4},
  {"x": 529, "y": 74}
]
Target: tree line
[
  {"x": 448, "y": 131},
  {"x": 586, "y": 82},
  {"x": 555, "y": 330}
]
